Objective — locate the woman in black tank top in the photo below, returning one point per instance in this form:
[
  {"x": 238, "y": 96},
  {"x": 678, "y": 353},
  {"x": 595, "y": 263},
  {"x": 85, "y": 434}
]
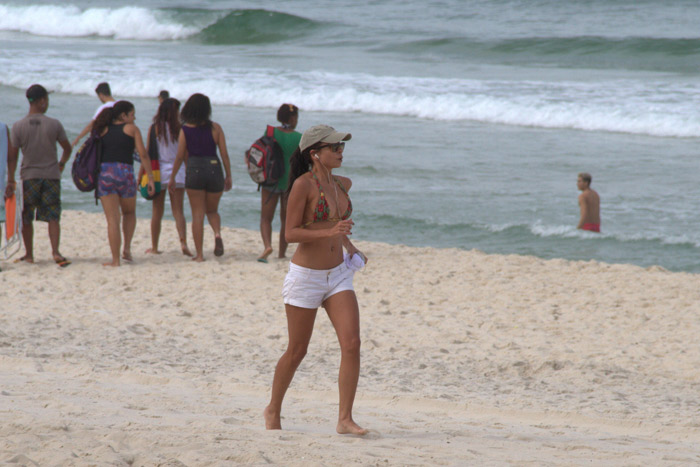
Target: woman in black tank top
[{"x": 116, "y": 186}]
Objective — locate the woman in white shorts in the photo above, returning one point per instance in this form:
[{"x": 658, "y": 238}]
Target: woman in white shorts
[
  {"x": 167, "y": 126},
  {"x": 318, "y": 219}
]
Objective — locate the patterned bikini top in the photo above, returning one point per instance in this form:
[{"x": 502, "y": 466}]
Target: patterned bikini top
[{"x": 323, "y": 211}]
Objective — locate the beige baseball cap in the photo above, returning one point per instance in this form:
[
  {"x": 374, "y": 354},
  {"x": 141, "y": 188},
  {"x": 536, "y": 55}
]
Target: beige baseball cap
[{"x": 322, "y": 133}]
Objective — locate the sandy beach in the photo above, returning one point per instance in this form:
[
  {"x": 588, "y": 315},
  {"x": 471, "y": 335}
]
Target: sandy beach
[{"x": 468, "y": 359}]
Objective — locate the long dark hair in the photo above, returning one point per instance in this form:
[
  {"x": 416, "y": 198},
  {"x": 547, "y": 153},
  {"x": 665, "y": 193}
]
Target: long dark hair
[
  {"x": 110, "y": 114},
  {"x": 299, "y": 163},
  {"x": 197, "y": 110},
  {"x": 168, "y": 116}
]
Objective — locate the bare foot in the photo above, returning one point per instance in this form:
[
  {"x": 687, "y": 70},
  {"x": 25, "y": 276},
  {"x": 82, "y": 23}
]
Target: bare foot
[
  {"x": 153, "y": 251},
  {"x": 113, "y": 264},
  {"x": 25, "y": 259},
  {"x": 272, "y": 419},
  {"x": 218, "y": 246},
  {"x": 282, "y": 257},
  {"x": 198, "y": 259},
  {"x": 126, "y": 256},
  {"x": 350, "y": 428},
  {"x": 185, "y": 251}
]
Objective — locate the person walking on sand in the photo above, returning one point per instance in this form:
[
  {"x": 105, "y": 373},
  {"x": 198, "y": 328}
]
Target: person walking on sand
[
  {"x": 116, "y": 186},
  {"x": 589, "y": 203},
  {"x": 104, "y": 94},
  {"x": 36, "y": 135},
  {"x": 318, "y": 218},
  {"x": 166, "y": 124},
  {"x": 288, "y": 139},
  {"x": 204, "y": 180}
]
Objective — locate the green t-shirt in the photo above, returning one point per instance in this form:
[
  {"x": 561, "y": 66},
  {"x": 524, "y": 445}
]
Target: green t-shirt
[{"x": 289, "y": 142}]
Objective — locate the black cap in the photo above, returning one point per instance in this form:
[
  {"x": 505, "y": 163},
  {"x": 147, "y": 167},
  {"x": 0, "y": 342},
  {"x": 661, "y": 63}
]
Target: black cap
[{"x": 36, "y": 92}]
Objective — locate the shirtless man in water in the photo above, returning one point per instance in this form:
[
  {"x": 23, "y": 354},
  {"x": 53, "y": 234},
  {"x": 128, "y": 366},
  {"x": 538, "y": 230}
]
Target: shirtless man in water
[{"x": 589, "y": 202}]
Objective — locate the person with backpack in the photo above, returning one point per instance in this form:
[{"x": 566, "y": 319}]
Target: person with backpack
[
  {"x": 318, "y": 219},
  {"x": 36, "y": 135},
  {"x": 116, "y": 186},
  {"x": 165, "y": 131},
  {"x": 288, "y": 140},
  {"x": 204, "y": 178}
]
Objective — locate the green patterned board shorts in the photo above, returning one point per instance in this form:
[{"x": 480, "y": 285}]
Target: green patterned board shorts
[{"x": 43, "y": 195}]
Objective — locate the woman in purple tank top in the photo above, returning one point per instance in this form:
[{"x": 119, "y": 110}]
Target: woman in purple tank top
[{"x": 204, "y": 177}]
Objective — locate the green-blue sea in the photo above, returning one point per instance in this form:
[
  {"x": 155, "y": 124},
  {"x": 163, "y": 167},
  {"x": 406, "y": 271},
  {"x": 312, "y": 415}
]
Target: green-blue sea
[{"x": 470, "y": 119}]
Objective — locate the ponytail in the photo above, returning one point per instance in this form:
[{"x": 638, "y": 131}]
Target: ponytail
[
  {"x": 110, "y": 114},
  {"x": 102, "y": 121},
  {"x": 300, "y": 163}
]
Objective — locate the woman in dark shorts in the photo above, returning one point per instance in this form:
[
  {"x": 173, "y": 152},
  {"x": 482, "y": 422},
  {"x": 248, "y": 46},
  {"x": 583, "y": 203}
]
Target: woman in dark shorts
[
  {"x": 116, "y": 186},
  {"x": 204, "y": 177}
]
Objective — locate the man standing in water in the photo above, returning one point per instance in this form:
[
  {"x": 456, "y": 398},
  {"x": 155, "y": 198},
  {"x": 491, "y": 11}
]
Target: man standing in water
[
  {"x": 104, "y": 94},
  {"x": 589, "y": 202}
]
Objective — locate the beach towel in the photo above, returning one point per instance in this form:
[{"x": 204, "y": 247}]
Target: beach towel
[
  {"x": 11, "y": 240},
  {"x": 10, "y": 209},
  {"x": 155, "y": 167}
]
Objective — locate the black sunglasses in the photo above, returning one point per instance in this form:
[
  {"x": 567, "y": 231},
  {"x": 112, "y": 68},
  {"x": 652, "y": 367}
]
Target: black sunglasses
[{"x": 335, "y": 147}]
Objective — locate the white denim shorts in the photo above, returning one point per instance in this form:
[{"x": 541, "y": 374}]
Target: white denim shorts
[{"x": 309, "y": 288}]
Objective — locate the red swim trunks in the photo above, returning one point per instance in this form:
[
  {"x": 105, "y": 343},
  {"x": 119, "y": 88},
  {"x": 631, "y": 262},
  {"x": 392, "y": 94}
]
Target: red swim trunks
[{"x": 591, "y": 227}]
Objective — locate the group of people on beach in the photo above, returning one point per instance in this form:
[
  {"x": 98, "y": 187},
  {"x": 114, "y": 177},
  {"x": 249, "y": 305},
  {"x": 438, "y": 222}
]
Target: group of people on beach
[
  {"x": 315, "y": 209},
  {"x": 178, "y": 136}
]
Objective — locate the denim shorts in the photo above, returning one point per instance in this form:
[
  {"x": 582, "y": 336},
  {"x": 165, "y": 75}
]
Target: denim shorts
[
  {"x": 204, "y": 173},
  {"x": 116, "y": 178},
  {"x": 309, "y": 288}
]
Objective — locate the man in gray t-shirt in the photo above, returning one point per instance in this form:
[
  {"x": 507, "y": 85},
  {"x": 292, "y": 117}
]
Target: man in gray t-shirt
[{"x": 36, "y": 135}]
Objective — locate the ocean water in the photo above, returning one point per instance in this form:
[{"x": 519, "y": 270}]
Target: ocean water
[{"x": 470, "y": 120}]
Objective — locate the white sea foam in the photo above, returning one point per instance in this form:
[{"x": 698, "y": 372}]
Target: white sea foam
[
  {"x": 613, "y": 106},
  {"x": 564, "y": 231},
  {"x": 570, "y": 231},
  {"x": 70, "y": 21}
]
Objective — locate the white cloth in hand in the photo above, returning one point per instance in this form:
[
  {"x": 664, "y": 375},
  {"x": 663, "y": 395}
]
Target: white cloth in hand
[{"x": 354, "y": 262}]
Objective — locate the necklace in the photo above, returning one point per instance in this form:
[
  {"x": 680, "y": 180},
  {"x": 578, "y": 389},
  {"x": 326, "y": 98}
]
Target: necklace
[{"x": 335, "y": 192}]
